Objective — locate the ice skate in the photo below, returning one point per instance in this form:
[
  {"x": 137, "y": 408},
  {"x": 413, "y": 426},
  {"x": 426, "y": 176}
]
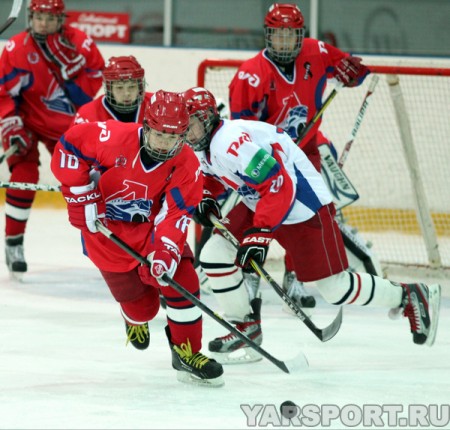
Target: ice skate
[
  {"x": 138, "y": 335},
  {"x": 417, "y": 302},
  {"x": 230, "y": 349},
  {"x": 296, "y": 291},
  {"x": 194, "y": 368},
  {"x": 15, "y": 259},
  {"x": 252, "y": 282}
]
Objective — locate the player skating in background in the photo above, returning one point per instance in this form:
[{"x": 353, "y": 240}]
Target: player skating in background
[
  {"x": 46, "y": 73},
  {"x": 149, "y": 186},
  {"x": 283, "y": 85},
  {"x": 285, "y": 198},
  {"x": 124, "y": 97}
]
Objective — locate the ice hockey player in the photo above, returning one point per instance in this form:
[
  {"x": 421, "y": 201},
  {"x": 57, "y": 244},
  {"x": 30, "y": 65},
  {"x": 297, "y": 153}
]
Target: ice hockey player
[
  {"x": 284, "y": 198},
  {"x": 283, "y": 85},
  {"x": 46, "y": 73},
  {"x": 124, "y": 97},
  {"x": 149, "y": 186}
]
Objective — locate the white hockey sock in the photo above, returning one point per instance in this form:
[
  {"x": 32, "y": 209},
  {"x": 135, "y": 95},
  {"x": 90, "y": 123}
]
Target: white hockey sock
[
  {"x": 360, "y": 289},
  {"x": 226, "y": 281}
]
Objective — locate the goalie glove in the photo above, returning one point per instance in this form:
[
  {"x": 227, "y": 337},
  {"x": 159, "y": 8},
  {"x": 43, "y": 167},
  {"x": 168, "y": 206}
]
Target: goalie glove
[
  {"x": 13, "y": 133},
  {"x": 65, "y": 55},
  {"x": 207, "y": 206},
  {"x": 254, "y": 246},
  {"x": 85, "y": 206},
  {"x": 351, "y": 72}
]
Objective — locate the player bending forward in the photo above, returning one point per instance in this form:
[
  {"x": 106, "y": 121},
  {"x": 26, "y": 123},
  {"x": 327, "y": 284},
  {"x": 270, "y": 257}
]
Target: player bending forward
[
  {"x": 284, "y": 198},
  {"x": 149, "y": 186}
]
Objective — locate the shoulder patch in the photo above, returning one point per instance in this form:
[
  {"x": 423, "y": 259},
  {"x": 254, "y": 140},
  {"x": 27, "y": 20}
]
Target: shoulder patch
[{"x": 260, "y": 166}]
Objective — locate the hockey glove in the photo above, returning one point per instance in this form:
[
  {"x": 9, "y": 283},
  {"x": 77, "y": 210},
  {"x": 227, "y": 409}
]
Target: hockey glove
[
  {"x": 254, "y": 246},
  {"x": 13, "y": 133},
  {"x": 85, "y": 206},
  {"x": 65, "y": 55},
  {"x": 161, "y": 262},
  {"x": 207, "y": 206},
  {"x": 351, "y": 72}
]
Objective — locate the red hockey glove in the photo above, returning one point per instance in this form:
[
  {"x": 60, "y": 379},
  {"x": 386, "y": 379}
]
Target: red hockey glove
[
  {"x": 254, "y": 246},
  {"x": 351, "y": 72},
  {"x": 161, "y": 262},
  {"x": 66, "y": 56},
  {"x": 85, "y": 206},
  {"x": 13, "y": 133},
  {"x": 207, "y": 206}
]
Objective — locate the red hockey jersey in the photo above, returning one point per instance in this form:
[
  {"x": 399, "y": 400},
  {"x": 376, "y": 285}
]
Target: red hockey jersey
[
  {"x": 260, "y": 91},
  {"x": 98, "y": 110},
  {"x": 32, "y": 87},
  {"x": 143, "y": 203}
]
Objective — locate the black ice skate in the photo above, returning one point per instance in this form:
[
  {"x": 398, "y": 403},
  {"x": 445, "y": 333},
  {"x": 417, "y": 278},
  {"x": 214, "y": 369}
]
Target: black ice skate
[
  {"x": 296, "y": 291},
  {"x": 138, "y": 335},
  {"x": 194, "y": 368},
  {"x": 230, "y": 349},
  {"x": 417, "y": 301},
  {"x": 15, "y": 259}
]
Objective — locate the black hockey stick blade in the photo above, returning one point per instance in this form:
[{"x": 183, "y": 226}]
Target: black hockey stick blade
[
  {"x": 197, "y": 302},
  {"x": 17, "y": 4},
  {"x": 323, "y": 334}
]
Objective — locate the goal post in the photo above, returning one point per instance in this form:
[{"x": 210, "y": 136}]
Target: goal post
[{"x": 398, "y": 163}]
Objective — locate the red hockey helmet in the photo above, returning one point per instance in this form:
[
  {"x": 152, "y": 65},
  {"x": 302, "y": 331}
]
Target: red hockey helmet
[
  {"x": 284, "y": 32},
  {"x": 166, "y": 121},
  {"x": 202, "y": 108},
  {"x": 55, "y": 7},
  {"x": 117, "y": 71}
]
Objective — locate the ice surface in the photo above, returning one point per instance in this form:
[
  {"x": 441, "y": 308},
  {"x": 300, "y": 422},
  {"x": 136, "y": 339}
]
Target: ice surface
[{"x": 64, "y": 364}]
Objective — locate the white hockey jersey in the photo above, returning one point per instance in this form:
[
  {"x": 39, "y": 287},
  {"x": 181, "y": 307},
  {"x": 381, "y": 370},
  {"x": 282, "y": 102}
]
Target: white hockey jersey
[{"x": 262, "y": 164}]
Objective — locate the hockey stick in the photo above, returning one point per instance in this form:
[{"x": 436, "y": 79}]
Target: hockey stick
[
  {"x": 323, "y": 334},
  {"x": 26, "y": 186},
  {"x": 359, "y": 118},
  {"x": 10, "y": 151},
  {"x": 17, "y": 4},
  {"x": 319, "y": 113},
  {"x": 197, "y": 302}
]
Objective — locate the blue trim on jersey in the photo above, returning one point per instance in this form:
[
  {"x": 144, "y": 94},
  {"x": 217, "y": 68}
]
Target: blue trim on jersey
[
  {"x": 321, "y": 88},
  {"x": 73, "y": 149},
  {"x": 272, "y": 172},
  {"x": 179, "y": 201},
  {"x": 305, "y": 194},
  {"x": 76, "y": 94}
]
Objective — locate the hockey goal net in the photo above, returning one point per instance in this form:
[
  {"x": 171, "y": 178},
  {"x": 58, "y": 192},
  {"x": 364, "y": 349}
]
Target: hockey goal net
[{"x": 399, "y": 162}]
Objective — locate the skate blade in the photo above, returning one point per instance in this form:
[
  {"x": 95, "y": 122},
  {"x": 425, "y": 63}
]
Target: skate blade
[
  {"x": 16, "y": 276},
  {"x": 434, "y": 303},
  {"x": 240, "y": 356},
  {"x": 189, "y": 378}
]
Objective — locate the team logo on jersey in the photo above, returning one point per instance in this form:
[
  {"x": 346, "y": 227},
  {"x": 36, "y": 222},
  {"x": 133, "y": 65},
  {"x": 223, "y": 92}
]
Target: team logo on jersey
[
  {"x": 129, "y": 210},
  {"x": 57, "y": 101},
  {"x": 33, "y": 57},
  {"x": 296, "y": 121},
  {"x": 121, "y": 161},
  {"x": 308, "y": 73}
]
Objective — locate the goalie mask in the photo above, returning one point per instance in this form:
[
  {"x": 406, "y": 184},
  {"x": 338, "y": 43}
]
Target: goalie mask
[
  {"x": 45, "y": 17},
  {"x": 284, "y": 32},
  {"x": 204, "y": 117},
  {"x": 166, "y": 121},
  {"x": 124, "y": 83}
]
